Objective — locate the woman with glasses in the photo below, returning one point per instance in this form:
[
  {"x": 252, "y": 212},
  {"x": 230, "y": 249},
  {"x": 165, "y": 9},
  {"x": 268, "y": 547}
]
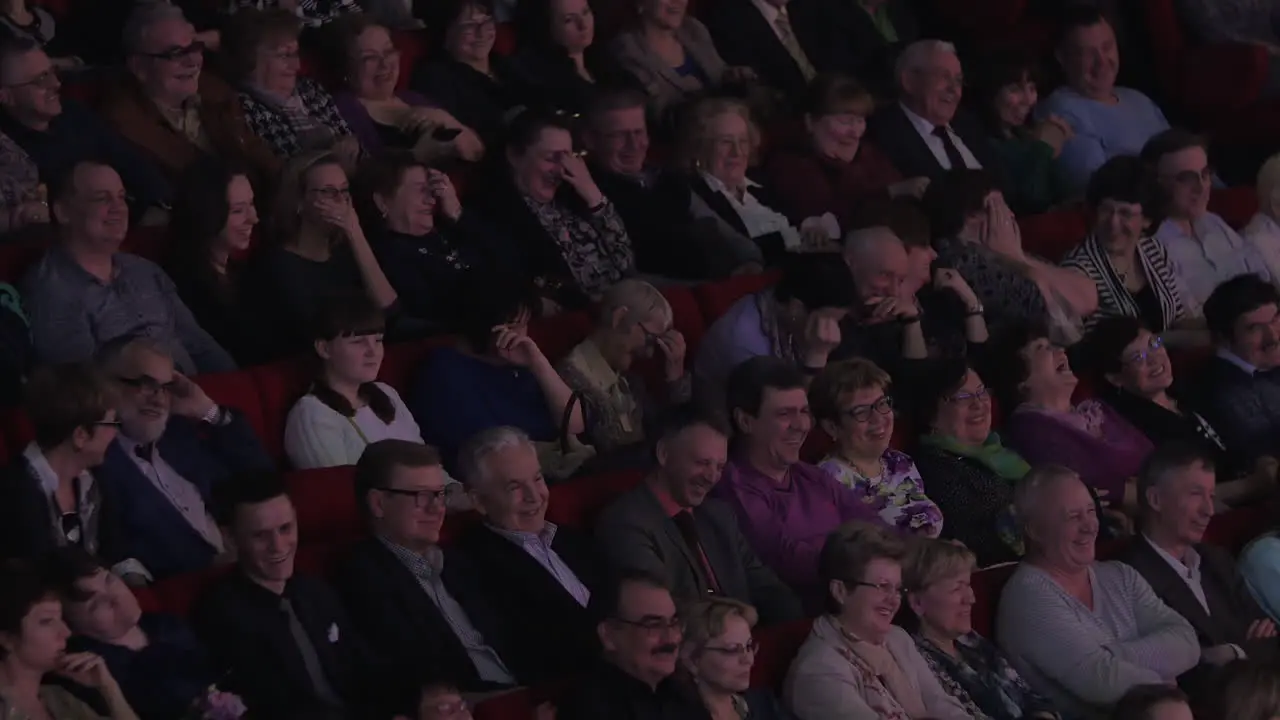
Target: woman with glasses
[
  {"x": 849, "y": 401},
  {"x": 856, "y": 663},
  {"x": 717, "y": 653}
]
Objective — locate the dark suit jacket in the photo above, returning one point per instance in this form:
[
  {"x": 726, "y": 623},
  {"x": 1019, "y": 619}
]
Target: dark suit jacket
[
  {"x": 636, "y": 532},
  {"x": 845, "y": 39},
  {"x": 659, "y": 222},
  {"x": 551, "y": 636},
  {"x": 892, "y": 132},
  {"x": 1243, "y": 408},
  {"x": 25, "y": 517},
  {"x": 744, "y": 38},
  {"x": 771, "y": 245}
]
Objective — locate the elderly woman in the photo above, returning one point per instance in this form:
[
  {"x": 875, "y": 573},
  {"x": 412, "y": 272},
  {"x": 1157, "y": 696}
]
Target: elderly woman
[
  {"x": 633, "y": 322},
  {"x": 834, "y": 169},
  {"x": 970, "y": 473},
  {"x": 849, "y": 401},
  {"x": 1263, "y": 230},
  {"x": 856, "y": 663},
  {"x": 33, "y": 643},
  {"x": 1082, "y": 632},
  {"x": 936, "y": 575},
  {"x": 293, "y": 114},
  {"x": 718, "y": 652}
]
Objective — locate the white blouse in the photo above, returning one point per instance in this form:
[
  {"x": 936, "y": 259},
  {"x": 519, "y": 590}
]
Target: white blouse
[{"x": 1264, "y": 233}]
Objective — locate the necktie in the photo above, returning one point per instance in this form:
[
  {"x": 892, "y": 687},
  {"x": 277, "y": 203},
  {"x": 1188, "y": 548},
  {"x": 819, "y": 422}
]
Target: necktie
[
  {"x": 310, "y": 658},
  {"x": 146, "y": 452},
  {"x": 788, "y": 37},
  {"x": 949, "y": 147},
  {"x": 689, "y": 531}
]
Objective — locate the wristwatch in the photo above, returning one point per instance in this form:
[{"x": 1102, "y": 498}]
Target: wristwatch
[
  {"x": 217, "y": 415},
  {"x": 975, "y": 310}
]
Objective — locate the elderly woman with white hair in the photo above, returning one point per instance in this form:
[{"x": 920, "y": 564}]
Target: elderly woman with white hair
[
  {"x": 1263, "y": 230},
  {"x": 633, "y": 322},
  {"x": 1083, "y": 632}
]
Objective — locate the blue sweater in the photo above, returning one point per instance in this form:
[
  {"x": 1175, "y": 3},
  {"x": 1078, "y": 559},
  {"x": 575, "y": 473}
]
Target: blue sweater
[{"x": 1102, "y": 131}]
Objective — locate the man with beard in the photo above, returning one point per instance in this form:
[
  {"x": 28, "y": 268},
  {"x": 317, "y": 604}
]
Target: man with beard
[
  {"x": 668, "y": 526},
  {"x": 174, "y": 447}
]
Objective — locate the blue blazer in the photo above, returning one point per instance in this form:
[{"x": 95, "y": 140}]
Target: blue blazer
[{"x": 151, "y": 529}]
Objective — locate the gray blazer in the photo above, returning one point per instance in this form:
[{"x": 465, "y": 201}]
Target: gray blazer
[
  {"x": 664, "y": 86},
  {"x": 635, "y": 532}
]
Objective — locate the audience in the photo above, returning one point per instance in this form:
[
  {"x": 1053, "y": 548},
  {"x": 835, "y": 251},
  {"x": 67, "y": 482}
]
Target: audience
[
  {"x": 761, "y": 35},
  {"x": 1263, "y": 230},
  {"x": 718, "y": 652},
  {"x": 863, "y": 38},
  {"x": 312, "y": 14},
  {"x": 23, "y": 20},
  {"x": 1237, "y": 22},
  {"x": 558, "y": 59},
  {"x": 1153, "y": 702}
]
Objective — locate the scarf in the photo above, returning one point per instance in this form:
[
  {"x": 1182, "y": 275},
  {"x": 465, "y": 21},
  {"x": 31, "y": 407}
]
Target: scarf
[
  {"x": 884, "y": 667},
  {"x": 994, "y": 456}
]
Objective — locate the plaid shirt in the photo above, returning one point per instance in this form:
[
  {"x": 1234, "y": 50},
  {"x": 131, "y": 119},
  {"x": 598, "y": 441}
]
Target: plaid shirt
[
  {"x": 313, "y": 13},
  {"x": 275, "y": 124}
]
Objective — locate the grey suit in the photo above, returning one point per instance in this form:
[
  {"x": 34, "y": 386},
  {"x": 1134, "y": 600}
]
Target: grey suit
[{"x": 635, "y": 532}]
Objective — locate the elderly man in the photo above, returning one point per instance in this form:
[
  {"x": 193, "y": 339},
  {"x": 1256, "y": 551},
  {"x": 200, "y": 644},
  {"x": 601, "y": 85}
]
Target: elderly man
[
  {"x": 174, "y": 111},
  {"x": 668, "y": 526},
  {"x": 84, "y": 292},
  {"x": 1082, "y": 632},
  {"x": 926, "y": 133},
  {"x": 554, "y": 567},
  {"x": 174, "y": 447},
  {"x": 1106, "y": 120}
]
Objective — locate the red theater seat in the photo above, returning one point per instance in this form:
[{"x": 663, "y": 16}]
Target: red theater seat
[
  {"x": 778, "y": 647},
  {"x": 412, "y": 45},
  {"x": 147, "y": 600},
  {"x": 577, "y": 502},
  {"x": 557, "y": 335},
  {"x": 987, "y": 585},
  {"x": 402, "y": 359},
  {"x": 16, "y": 257},
  {"x": 518, "y": 704},
  {"x": 1052, "y": 235},
  {"x": 237, "y": 390},
  {"x": 716, "y": 298},
  {"x": 457, "y": 523},
  {"x": 1234, "y": 529},
  {"x": 17, "y": 429},
  {"x": 176, "y": 595},
  {"x": 326, "y": 503},
  {"x": 149, "y": 242},
  {"x": 505, "y": 42},
  {"x": 279, "y": 384},
  {"x": 1236, "y": 205}
]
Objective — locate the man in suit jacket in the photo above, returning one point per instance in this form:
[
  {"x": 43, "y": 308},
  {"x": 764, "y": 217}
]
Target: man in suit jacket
[
  {"x": 759, "y": 34},
  {"x": 175, "y": 446},
  {"x": 668, "y": 527},
  {"x": 926, "y": 133},
  {"x": 863, "y": 37}
]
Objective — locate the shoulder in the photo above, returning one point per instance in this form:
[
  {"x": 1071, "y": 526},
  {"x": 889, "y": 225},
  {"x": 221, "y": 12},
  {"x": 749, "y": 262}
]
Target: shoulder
[
  {"x": 1130, "y": 96},
  {"x": 627, "y": 508},
  {"x": 309, "y": 408}
]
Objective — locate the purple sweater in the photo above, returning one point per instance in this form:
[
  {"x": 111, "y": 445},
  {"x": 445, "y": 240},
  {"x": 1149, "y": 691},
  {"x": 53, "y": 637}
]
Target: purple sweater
[
  {"x": 1104, "y": 463},
  {"x": 361, "y": 124}
]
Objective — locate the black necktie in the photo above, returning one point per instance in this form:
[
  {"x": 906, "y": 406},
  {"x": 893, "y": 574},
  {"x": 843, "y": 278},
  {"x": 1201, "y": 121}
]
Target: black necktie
[
  {"x": 949, "y": 147},
  {"x": 310, "y": 658},
  {"x": 146, "y": 452},
  {"x": 689, "y": 531}
]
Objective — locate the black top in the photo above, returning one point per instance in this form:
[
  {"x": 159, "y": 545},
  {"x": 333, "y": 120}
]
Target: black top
[
  {"x": 656, "y": 210},
  {"x": 552, "y": 80},
  {"x": 608, "y": 692},
  {"x": 394, "y": 137},
  {"x": 227, "y": 310},
  {"x": 1162, "y": 425},
  {"x": 289, "y": 288},
  {"x": 1149, "y": 309},
  {"x": 477, "y": 100},
  {"x": 973, "y": 499}
]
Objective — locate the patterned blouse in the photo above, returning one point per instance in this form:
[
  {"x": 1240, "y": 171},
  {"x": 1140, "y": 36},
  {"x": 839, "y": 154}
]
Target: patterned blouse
[
  {"x": 1007, "y": 294},
  {"x": 983, "y": 679},
  {"x": 897, "y": 493},
  {"x": 305, "y": 121},
  {"x": 1114, "y": 298},
  {"x": 975, "y": 501},
  {"x": 19, "y": 177},
  {"x": 313, "y": 13},
  {"x": 593, "y": 244}
]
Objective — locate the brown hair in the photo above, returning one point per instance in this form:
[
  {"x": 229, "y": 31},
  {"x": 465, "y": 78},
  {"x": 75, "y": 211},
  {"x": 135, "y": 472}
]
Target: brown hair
[
  {"x": 293, "y": 189},
  {"x": 929, "y": 560},
  {"x": 693, "y": 141},
  {"x": 837, "y": 95},
  {"x": 839, "y": 379},
  {"x": 380, "y": 459},
  {"x": 706, "y": 619},
  {"x": 251, "y": 30},
  {"x": 60, "y": 399},
  {"x": 350, "y": 315},
  {"x": 849, "y": 549},
  {"x": 381, "y": 175},
  {"x": 1250, "y": 690}
]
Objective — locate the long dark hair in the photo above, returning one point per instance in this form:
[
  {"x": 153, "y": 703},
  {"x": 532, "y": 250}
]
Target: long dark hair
[
  {"x": 200, "y": 213},
  {"x": 996, "y": 74},
  {"x": 350, "y": 316}
]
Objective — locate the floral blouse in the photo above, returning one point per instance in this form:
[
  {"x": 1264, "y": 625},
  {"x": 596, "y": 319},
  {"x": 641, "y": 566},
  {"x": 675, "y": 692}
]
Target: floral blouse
[
  {"x": 593, "y": 244},
  {"x": 983, "y": 679},
  {"x": 897, "y": 493}
]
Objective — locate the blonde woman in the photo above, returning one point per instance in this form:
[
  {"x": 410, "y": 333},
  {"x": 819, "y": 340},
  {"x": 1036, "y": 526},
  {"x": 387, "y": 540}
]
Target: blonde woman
[
  {"x": 718, "y": 652},
  {"x": 1250, "y": 690},
  {"x": 1263, "y": 230}
]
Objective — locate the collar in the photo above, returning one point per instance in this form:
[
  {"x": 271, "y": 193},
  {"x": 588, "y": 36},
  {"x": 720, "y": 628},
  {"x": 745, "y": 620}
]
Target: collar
[
  {"x": 922, "y": 126},
  {"x": 716, "y": 185},
  {"x": 769, "y": 11},
  {"x": 519, "y": 537},
  {"x": 429, "y": 563},
  {"x": 62, "y": 259},
  {"x": 260, "y": 594},
  {"x": 130, "y": 446},
  {"x": 590, "y": 359},
  {"x": 1186, "y": 569},
  {"x": 665, "y": 501},
  {"x": 1225, "y": 354},
  {"x": 44, "y": 472}
]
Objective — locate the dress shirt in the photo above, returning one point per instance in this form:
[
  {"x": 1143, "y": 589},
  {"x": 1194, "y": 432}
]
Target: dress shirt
[
  {"x": 1189, "y": 571},
  {"x": 1249, "y": 368},
  {"x": 179, "y": 491},
  {"x": 935, "y": 144},
  {"x": 426, "y": 569},
  {"x": 86, "y": 509},
  {"x": 1209, "y": 255},
  {"x": 759, "y": 219},
  {"x": 538, "y": 546}
]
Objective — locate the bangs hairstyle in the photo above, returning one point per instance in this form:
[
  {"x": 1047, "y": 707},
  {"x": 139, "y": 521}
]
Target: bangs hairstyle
[
  {"x": 442, "y": 14},
  {"x": 694, "y": 136},
  {"x": 837, "y": 95},
  {"x": 350, "y": 316},
  {"x": 1126, "y": 179},
  {"x": 946, "y": 379},
  {"x": 251, "y": 30},
  {"x": 1105, "y": 344},
  {"x": 67, "y": 565},
  {"x": 847, "y": 552},
  {"x": 60, "y": 399},
  {"x": 706, "y": 619},
  {"x": 22, "y": 587},
  {"x": 929, "y": 560},
  {"x": 998, "y": 74},
  {"x": 293, "y": 190},
  {"x": 840, "y": 379}
]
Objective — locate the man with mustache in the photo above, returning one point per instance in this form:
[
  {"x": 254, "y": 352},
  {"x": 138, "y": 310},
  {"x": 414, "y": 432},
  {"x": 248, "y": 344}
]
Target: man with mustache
[{"x": 669, "y": 527}]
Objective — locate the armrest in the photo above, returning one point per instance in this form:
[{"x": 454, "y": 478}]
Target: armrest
[{"x": 1204, "y": 69}]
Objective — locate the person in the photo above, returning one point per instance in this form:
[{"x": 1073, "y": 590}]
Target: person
[
  {"x": 835, "y": 168},
  {"x": 441, "y": 701},
  {"x": 786, "y": 507},
  {"x": 1247, "y": 691},
  {"x": 84, "y": 292},
  {"x": 856, "y": 662},
  {"x": 863, "y": 38},
  {"x": 763, "y": 36},
  {"x": 1153, "y": 702},
  {"x": 1237, "y": 22},
  {"x": 633, "y": 322},
  {"x": 1082, "y": 632},
  {"x": 281, "y": 640},
  {"x": 936, "y": 577},
  {"x": 33, "y": 645},
  {"x": 668, "y": 526},
  {"x": 1263, "y": 230},
  {"x": 718, "y": 652},
  {"x": 849, "y": 402},
  {"x": 419, "y": 607},
  {"x": 174, "y": 447},
  {"x": 558, "y": 57},
  {"x": 555, "y": 568},
  {"x": 161, "y": 667},
  {"x": 21, "y": 19},
  {"x": 925, "y": 133},
  {"x": 1106, "y": 120},
  {"x": 312, "y": 14},
  {"x": 24, "y": 200},
  {"x": 1129, "y": 267}
]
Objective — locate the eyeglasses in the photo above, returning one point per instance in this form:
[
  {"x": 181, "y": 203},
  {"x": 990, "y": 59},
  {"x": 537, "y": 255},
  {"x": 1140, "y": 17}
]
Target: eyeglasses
[
  {"x": 738, "y": 650},
  {"x": 655, "y": 624},
  {"x": 969, "y": 398},
  {"x": 46, "y": 79},
  {"x": 149, "y": 385},
  {"x": 388, "y": 57},
  {"x": 862, "y": 413},
  {"x": 421, "y": 498},
  {"x": 332, "y": 193},
  {"x": 177, "y": 52},
  {"x": 1141, "y": 356},
  {"x": 885, "y": 588}
]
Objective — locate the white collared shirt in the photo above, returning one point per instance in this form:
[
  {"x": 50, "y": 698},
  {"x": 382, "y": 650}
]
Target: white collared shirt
[
  {"x": 939, "y": 150},
  {"x": 179, "y": 491},
  {"x": 760, "y": 220},
  {"x": 1236, "y": 360},
  {"x": 1189, "y": 571},
  {"x": 538, "y": 547}
]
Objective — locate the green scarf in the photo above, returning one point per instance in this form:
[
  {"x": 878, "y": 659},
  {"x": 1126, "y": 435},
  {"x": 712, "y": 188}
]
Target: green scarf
[{"x": 994, "y": 456}]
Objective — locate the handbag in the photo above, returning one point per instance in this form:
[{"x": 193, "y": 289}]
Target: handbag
[{"x": 561, "y": 459}]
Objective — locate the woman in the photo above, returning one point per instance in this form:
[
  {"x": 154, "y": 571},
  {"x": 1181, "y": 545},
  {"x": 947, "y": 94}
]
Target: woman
[
  {"x": 319, "y": 250},
  {"x": 849, "y": 401},
  {"x": 565, "y": 233},
  {"x": 1032, "y": 180},
  {"x": 970, "y": 473},
  {"x": 1129, "y": 267},
  {"x": 633, "y": 322},
  {"x": 33, "y": 643},
  {"x": 718, "y": 652},
  {"x": 366, "y": 59},
  {"x": 1155, "y": 702},
  {"x": 834, "y": 169},
  {"x": 19, "y": 19},
  {"x": 558, "y": 60},
  {"x": 936, "y": 574},
  {"x": 293, "y": 114},
  {"x": 1263, "y": 230},
  {"x": 979, "y": 237},
  {"x": 856, "y": 663},
  {"x": 1249, "y": 690}
]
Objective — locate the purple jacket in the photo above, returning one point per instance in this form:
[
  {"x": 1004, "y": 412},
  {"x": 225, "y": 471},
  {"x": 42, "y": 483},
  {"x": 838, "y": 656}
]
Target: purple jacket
[
  {"x": 362, "y": 126},
  {"x": 1104, "y": 463}
]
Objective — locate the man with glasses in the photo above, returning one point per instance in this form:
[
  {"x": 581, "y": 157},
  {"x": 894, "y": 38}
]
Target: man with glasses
[{"x": 420, "y": 609}]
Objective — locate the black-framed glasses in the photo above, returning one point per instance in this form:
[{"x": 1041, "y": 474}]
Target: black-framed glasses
[
  {"x": 421, "y": 498},
  {"x": 333, "y": 193},
  {"x": 177, "y": 52},
  {"x": 1141, "y": 356},
  {"x": 968, "y": 398},
  {"x": 883, "y": 587},
  {"x": 655, "y": 624},
  {"x": 735, "y": 650},
  {"x": 862, "y": 413},
  {"x": 148, "y": 384},
  {"x": 46, "y": 79}
]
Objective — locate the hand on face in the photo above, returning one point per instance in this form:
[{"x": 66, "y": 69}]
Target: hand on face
[
  {"x": 189, "y": 399},
  {"x": 673, "y": 349},
  {"x": 515, "y": 347},
  {"x": 86, "y": 669},
  {"x": 445, "y": 193}
]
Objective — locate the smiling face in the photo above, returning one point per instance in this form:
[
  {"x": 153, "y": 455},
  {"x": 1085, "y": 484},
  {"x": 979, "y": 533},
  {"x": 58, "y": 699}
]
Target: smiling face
[
  {"x": 945, "y": 605},
  {"x": 146, "y": 381},
  {"x": 242, "y": 216},
  {"x": 966, "y": 414},
  {"x": 1065, "y": 526},
  {"x": 41, "y": 640},
  {"x": 512, "y": 493},
  {"x": 838, "y": 135},
  {"x": 471, "y": 36},
  {"x": 776, "y": 434},
  {"x": 1048, "y": 371},
  {"x": 1186, "y": 178},
  {"x": 266, "y": 539},
  {"x": 1090, "y": 59},
  {"x": 1119, "y": 225},
  {"x": 933, "y": 90},
  {"x": 324, "y": 183},
  {"x": 869, "y": 607},
  {"x": 619, "y": 140},
  {"x": 1182, "y": 503},
  {"x": 692, "y": 462},
  {"x": 170, "y": 62},
  {"x": 727, "y": 149},
  {"x": 1014, "y": 102},
  {"x": 1145, "y": 369},
  {"x": 410, "y": 511},
  {"x": 539, "y": 170},
  {"x": 29, "y": 89},
  {"x": 1256, "y": 337},
  {"x": 96, "y": 209},
  {"x": 411, "y": 209},
  {"x": 866, "y": 423},
  {"x": 375, "y": 67},
  {"x": 277, "y": 64}
]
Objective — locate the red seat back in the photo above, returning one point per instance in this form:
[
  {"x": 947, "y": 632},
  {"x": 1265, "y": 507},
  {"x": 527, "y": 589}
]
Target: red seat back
[
  {"x": 1236, "y": 205},
  {"x": 505, "y": 42},
  {"x": 279, "y": 384},
  {"x": 178, "y": 594},
  {"x": 556, "y": 336},
  {"x": 1052, "y": 235},
  {"x": 236, "y": 390},
  {"x": 515, "y": 705},
  {"x": 16, "y": 257},
  {"x": 148, "y": 242},
  {"x": 326, "y": 503},
  {"x": 577, "y": 502},
  {"x": 987, "y": 585},
  {"x": 778, "y": 647},
  {"x": 402, "y": 360},
  {"x": 412, "y": 45}
]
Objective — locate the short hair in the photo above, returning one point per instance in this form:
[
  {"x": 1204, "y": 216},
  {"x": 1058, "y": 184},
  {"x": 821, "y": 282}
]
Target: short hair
[
  {"x": 64, "y": 186},
  {"x": 442, "y": 14},
  {"x": 1249, "y": 690},
  {"x": 61, "y": 399},
  {"x": 1077, "y": 16},
  {"x": 1105, "y": 344},
  {"x": 945, "y": 379},
  {"x": 929, "y": 560},
  {"x": 1028, "y": 492},
  {"x": 1008, "y": 362},
  {"x": 345, "y": 314},
  {"x": 606, "y": 599},
  {"x": 953, "y": 197},
  {"x": 915, "y": 55},
  {"x": 613, "y": 99},
  {"x": 482, "y": 307},
  {"x": 706, "y": 619},
  {"x": 641, "y": 299},
  {"x": 65, "y": 566},
  {"x": 996, "y": 74},
  {"x": 842, "y": 378},
  {"x": 1166, "y": 459},
  {"x": 382, "y": 174},
  {"x": 816, "y": 280},
  {"x": 380, "y": 459},
  {"x": 140, "y": 21},
  {"x": 475, "y": 452},
  {"x": 527, "y": 126},
  {"x": 251, "y": 29},
  {"x": 834, "y": 94},
  {"x": 1123, "y": 178},
  {"x": 676, "y": 420},
  {"x": 694, "y": 128},
  {"x": 1238, "y": 296},
  {"x": 849, "y": 549},
  {"x": 338, "y": 42},
  {"x": 246, "y": 488},
  {"x": 113, "y": 352},
  {"x": 13, "y": 46},
  {"x": 22, "y": 587},
  {"x": 1141, "y": 700},
  {"x": 750, "y": 378},
  {"x": 1168, "y": 142}
]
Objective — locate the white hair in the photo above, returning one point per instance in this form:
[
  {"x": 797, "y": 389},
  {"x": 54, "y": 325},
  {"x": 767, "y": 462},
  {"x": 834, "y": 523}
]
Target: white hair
[
  {"x": 473, "y": 458},
  {"x": 1029, "y": 492},
  {"x": 142, "y": 18},
  {"x": 641, "y": 300},
  {"x": 916, "y": 56}
]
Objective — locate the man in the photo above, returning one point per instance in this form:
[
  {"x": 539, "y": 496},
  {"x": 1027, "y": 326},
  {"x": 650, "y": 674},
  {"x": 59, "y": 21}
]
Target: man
[
  {"x": 283, "y": 639},
  {"x": 421, "y": 614},
  {"x": 84, "y": 292},
  {"x": 1198, "y": 581},
  {"x": 640, "y": 632},
  {"x": 56, "y": 133},
  {"x": 863, "y": 37},
  {"x": 925, "y": 133},
  {"x": 1105, "y": 120},
  {"x": 175, "y": 446},
  {"x": 786, "y": 507},
  {"x": 171, "y": 109},
  {"x": 553, "y": 567},
  {"x": 759, "y": 34},
  {"x": 667, "y": 526}
]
